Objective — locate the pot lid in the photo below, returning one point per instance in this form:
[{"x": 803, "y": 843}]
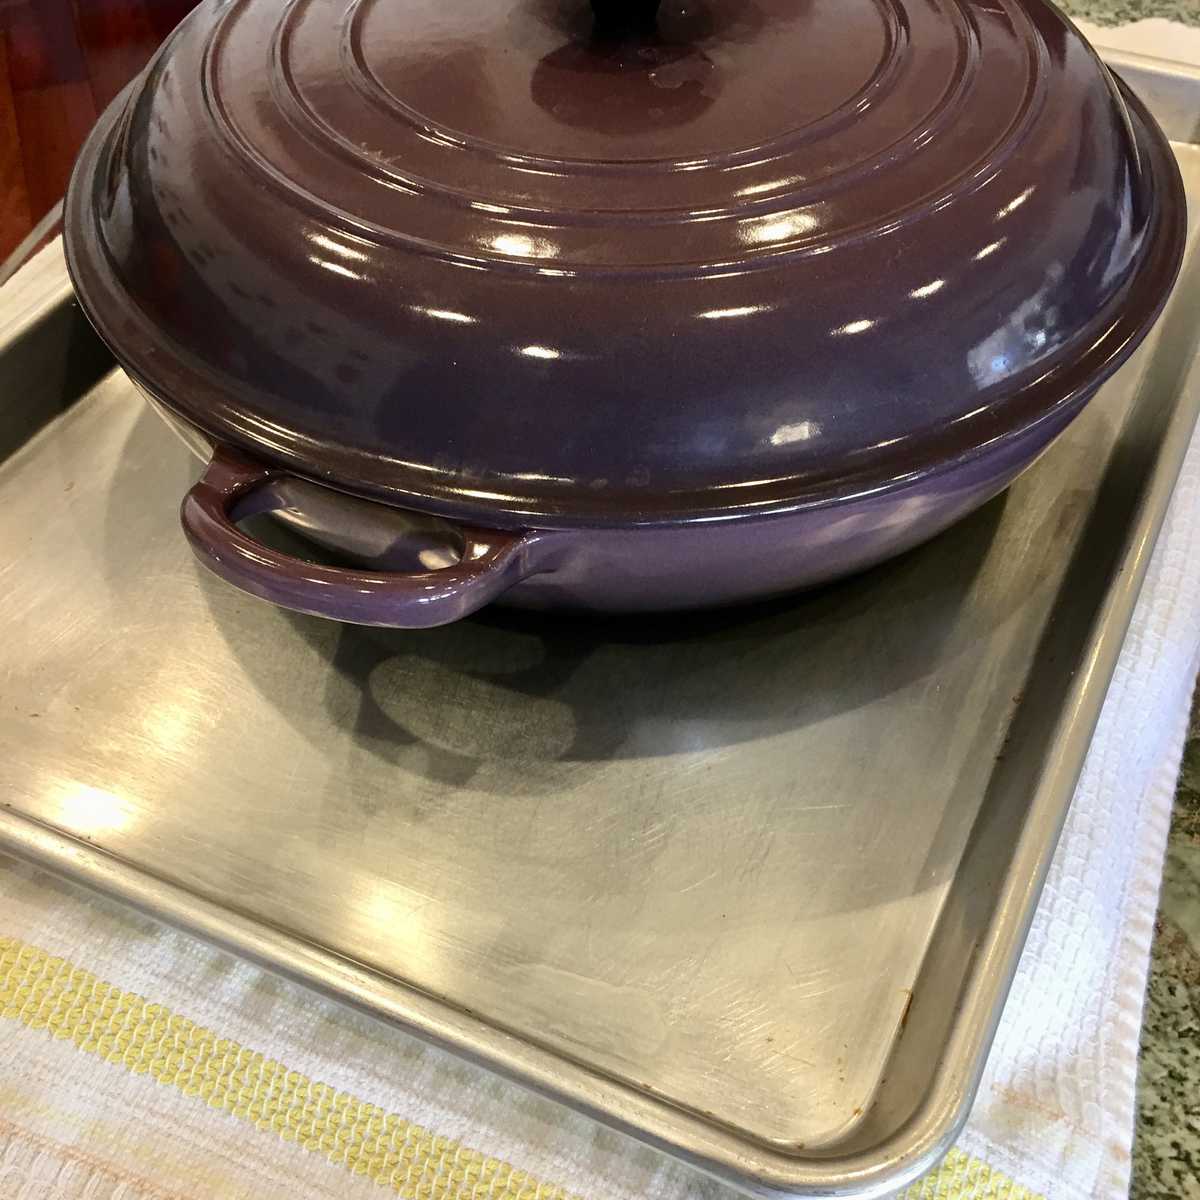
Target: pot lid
[{"x": 639, "y": 263}]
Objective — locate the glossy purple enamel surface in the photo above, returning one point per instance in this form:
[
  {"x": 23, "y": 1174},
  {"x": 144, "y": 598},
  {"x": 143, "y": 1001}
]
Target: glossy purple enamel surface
[
  {"x": 618, "y": 569},
  {"x": 484, "y": 260}
]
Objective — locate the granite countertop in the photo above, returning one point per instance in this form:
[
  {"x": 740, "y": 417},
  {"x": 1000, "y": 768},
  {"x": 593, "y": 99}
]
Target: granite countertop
[{"x": 1124, "y": 12}]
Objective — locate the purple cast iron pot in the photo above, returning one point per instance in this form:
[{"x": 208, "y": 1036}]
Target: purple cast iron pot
[{"x": 641, "y": 308}]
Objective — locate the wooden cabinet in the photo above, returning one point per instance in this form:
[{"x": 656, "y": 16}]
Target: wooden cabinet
[{"x": 61, "y": 62}]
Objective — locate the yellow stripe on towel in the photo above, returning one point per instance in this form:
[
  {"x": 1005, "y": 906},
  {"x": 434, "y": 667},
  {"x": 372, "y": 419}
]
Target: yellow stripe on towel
[
  {"x": 44, "y": 992},
  {"x": 962, "y": 1177}
]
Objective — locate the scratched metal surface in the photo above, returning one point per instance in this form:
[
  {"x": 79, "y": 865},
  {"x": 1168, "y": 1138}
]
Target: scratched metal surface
[
  {"x": 685, "y": 872},
  {"x": 666, "y": 846}
]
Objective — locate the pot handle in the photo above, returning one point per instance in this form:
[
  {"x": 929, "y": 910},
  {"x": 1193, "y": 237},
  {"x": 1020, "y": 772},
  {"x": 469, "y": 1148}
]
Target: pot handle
[{"x": 233, "y": 487}]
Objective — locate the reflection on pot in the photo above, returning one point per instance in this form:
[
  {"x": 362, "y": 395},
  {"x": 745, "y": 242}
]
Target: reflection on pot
[{"x": 624, "y": 85}]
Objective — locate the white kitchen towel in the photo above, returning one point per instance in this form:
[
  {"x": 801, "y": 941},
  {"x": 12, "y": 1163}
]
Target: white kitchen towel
[{"x": 138, "y": 1062}]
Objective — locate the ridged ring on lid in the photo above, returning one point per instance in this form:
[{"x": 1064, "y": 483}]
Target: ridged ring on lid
[
  {"x": 422, "y": 181},
  {"x": 360, "y": 71}
]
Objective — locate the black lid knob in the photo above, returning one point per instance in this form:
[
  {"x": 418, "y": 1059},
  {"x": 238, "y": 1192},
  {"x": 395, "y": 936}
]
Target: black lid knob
[{"x": 614, "y": 17}]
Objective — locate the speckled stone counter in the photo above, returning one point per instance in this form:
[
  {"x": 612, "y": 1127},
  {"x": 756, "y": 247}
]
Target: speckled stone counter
[{"x": 1124, "y": 12}]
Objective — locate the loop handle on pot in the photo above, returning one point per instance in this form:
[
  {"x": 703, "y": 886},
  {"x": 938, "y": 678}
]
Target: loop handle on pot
[{"x": 234, "y": 486}]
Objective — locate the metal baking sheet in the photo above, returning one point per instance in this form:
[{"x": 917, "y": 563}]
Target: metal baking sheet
[{"x": 749, "y": 885}]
